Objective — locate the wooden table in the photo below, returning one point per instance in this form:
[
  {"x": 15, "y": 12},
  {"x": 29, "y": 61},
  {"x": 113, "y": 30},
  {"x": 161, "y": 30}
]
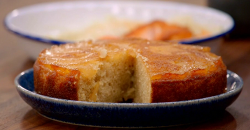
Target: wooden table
[{"x": 16, "y": 114}]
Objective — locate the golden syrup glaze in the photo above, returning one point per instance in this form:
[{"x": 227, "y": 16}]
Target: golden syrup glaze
[
  {"x": 69, "y": 54},
  {"x": 83, "y": 56},
  {"x": 166, "y": 59},
  {"x": 161, "y": 58}
]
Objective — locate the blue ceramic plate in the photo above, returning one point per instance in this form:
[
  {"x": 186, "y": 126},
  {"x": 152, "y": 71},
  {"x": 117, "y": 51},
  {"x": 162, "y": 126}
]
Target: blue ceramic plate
[{"x": 132, "y": 115}]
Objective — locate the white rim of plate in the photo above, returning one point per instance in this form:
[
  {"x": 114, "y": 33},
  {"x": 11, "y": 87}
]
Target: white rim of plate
[{"x": 49, "y": 5}]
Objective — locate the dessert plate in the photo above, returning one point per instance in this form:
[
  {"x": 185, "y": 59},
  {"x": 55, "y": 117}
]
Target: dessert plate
[{"x": 127, "y": 115}]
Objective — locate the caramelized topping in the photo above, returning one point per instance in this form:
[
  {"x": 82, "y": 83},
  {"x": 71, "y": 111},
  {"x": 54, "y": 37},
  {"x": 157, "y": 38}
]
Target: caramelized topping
[{"x": 160, "y": 57}]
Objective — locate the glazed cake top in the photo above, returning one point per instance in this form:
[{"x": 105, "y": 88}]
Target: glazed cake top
[
  {"x": 167, "y": 57},
  {"x": 159, "y": 57}
]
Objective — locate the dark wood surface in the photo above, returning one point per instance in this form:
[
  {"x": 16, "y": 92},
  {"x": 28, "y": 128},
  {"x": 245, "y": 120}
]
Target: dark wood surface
[{"x": 15, "y": 114}]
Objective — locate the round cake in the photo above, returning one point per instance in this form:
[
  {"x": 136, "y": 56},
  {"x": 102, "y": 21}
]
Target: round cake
[{"x": 135, "y": 70}]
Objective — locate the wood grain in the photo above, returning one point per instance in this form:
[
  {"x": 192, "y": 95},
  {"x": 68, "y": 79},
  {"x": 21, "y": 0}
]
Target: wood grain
[{"x": 15, "y": 114}]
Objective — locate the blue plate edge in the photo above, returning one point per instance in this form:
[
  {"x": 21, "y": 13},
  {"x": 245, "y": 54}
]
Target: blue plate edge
[{"x": 19, "y": 87}]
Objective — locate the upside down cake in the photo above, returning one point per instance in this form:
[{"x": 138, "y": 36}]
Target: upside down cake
[{"x": 129, "y": 69}]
